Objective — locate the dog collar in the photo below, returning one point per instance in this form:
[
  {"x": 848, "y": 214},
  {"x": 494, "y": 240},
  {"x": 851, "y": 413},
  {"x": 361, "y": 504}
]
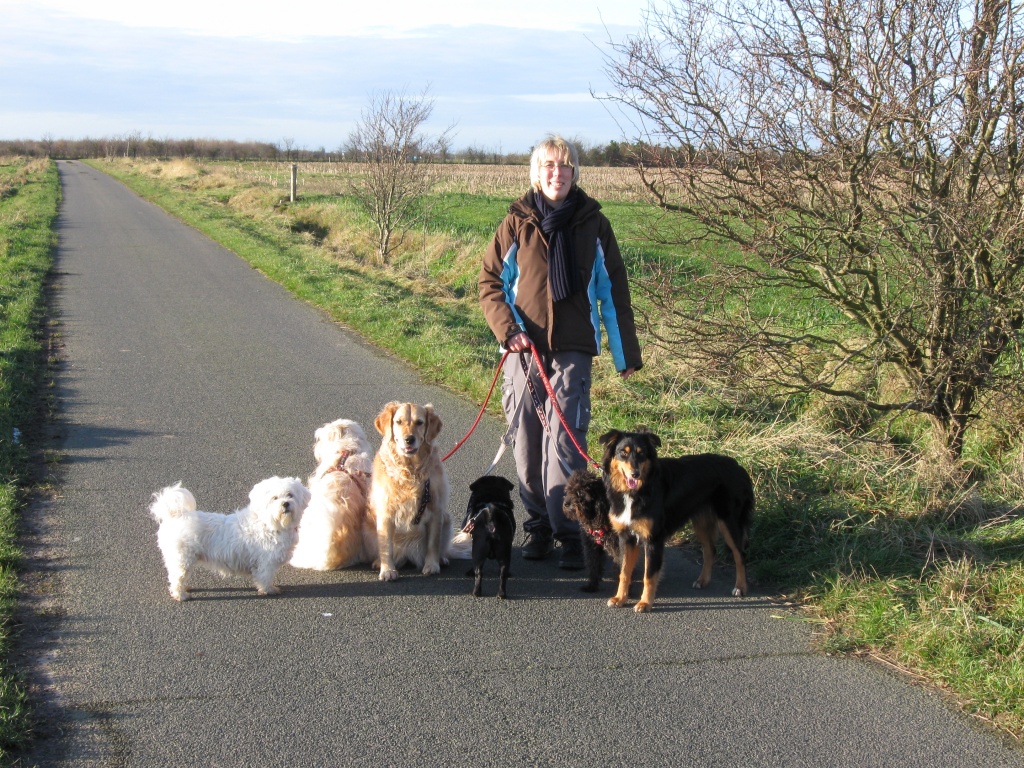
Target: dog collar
[
  {"x": 598, "y": 535},
  {"x": 424, "y": 500},
  {"x": 471, "y": 523}
]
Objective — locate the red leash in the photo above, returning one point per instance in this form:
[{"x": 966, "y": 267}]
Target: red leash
[
  {"x": 482, "y": 409},
  {"x": 551, "y": 396},
  {"x": 558, "y": 411}
]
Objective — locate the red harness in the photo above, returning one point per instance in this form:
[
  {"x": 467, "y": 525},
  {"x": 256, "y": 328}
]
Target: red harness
[{"x": 359, "y": 475}]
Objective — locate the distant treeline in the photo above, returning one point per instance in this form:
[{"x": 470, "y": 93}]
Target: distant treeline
[{"x": 612, "y": 154}]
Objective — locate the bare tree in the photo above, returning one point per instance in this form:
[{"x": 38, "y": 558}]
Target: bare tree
[
  {"x": 288, "y": 145},
  {"x": 866, "y": 157},
  {"x": 389, "y": 139}
]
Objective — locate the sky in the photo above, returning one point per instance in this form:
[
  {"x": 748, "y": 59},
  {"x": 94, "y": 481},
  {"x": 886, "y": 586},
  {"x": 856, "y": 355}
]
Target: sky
[{"x": 504, "y": 74}]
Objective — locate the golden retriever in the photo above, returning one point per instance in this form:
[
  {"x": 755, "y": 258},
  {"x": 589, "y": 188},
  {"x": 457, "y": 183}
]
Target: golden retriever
[
  {"x": 337, "y": 529},
  {"x": 409, "y": 492}
]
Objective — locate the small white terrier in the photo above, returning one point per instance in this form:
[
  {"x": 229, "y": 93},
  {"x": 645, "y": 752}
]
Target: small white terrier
[{"x": 253, "y": 541}]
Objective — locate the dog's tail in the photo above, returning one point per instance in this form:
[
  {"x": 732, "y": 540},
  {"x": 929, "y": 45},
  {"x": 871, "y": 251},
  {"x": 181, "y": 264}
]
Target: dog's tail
[
  {"x": 461, "y": 546},
  {"x": 173, "y": 501}
]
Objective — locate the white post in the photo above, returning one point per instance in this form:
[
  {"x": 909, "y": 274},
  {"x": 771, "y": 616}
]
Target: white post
[{"x": 295, "y": 171}]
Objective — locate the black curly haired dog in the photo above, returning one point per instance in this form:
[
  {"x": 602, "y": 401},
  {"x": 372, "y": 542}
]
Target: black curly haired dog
[
  {"x": 651, "y": 498},
  {"x": 490, "y": 521},
  {"x": 586, "y": 502}
]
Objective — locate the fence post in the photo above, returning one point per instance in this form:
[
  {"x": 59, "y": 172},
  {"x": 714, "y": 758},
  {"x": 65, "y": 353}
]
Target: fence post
[{"x": 295, "y": 172}]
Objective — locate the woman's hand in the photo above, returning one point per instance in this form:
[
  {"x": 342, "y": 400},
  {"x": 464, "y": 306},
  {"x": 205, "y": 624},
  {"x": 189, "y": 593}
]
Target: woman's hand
[{"x": 518, "y": 343}]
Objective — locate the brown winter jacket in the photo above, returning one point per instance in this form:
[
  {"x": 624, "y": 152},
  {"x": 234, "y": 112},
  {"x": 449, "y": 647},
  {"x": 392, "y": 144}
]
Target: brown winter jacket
[{"x": 514, "y": 286}]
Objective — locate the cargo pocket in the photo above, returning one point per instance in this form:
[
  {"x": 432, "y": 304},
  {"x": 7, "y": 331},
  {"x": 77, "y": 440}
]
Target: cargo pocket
[
  {"x": 577, "y": 412},
  {"x": 508, "y": 398}
]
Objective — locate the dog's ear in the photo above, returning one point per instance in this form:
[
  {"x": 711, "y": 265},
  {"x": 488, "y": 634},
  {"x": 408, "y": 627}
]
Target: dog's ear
[
  {"x": 383, "y": 420},
  {"x": 652, "y": 439},
  {"x": 494, "y": 482},
  {"x": 318, "y": 440},
  {"x": 260, "y": 493},
  {"x": 434, "y": 423},
  {"x": 321, "y": 434},
  {"x": 609, "y": 440},
  {"x": 301, "y": 493}
]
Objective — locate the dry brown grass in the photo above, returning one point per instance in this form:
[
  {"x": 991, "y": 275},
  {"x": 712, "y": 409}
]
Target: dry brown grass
[
  {"x": 24, "y": 169},
  {"x": 174, "y": 169},
  {"x": 255, "y": 200},
  {"x": 610, "y": 184}
]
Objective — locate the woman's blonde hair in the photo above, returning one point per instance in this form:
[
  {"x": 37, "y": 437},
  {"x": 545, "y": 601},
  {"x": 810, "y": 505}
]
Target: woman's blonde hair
[{"x": 555, "y": 145}]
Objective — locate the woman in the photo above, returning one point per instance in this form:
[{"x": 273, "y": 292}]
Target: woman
[{"x": 552, "y": 275}]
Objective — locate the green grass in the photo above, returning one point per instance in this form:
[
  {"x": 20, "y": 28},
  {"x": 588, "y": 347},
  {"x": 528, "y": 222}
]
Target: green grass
[
  {"x": 960, "y": 628},
  {"x": 894, "y": 554},
  {"x": 29, "y": 196}
]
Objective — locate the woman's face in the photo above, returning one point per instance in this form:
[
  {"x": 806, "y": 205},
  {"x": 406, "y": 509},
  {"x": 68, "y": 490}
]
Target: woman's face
[{"x": 555, "y": 177}]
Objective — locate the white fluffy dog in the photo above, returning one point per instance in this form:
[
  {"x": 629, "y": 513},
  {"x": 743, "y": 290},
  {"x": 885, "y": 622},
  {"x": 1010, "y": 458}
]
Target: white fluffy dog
[
  {"x": 337, "y": 528},
  {"x": 253, "y": 541}
]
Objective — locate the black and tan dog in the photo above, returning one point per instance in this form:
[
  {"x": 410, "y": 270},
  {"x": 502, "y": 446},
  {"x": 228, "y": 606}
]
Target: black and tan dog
[
  {"x": 586, "y": 502},
  {"x": 651, "y": 498},
  {"x": 491, "y": 523}
]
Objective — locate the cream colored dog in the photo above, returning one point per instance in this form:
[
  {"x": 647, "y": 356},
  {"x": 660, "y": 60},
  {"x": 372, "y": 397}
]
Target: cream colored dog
[
  {"x": 409, "y": 493},
  {"x": 337, "y": 528}
]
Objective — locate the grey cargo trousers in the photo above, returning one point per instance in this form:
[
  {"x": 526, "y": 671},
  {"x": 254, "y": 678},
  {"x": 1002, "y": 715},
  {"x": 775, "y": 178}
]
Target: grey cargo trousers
[{"x": 546, "y": 457}]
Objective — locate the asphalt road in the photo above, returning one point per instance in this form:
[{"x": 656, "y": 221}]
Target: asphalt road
[{"x": 180, "y": 362}]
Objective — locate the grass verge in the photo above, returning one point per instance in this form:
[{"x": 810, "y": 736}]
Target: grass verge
[{"x": 29, "y": 197}]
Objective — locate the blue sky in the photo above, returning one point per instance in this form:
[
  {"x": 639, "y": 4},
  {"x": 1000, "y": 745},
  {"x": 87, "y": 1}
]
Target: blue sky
[{"x": 504, "y": 73}]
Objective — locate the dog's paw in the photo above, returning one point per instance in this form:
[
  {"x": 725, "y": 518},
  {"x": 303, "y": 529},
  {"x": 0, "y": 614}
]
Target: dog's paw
[
  {"x": 430, "y": 569},
  {"x": 388, "y": 574},
  {"x": 738, "y": 591},
  {"x": 616, "y": 602},
  {"x": 591, "y": 586},
  {"x": 268, "y": 591},
  {"x": 699, "y": 584},
  {"x": 642, "y": 607},
  {"x": 181, "y": 597}
]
